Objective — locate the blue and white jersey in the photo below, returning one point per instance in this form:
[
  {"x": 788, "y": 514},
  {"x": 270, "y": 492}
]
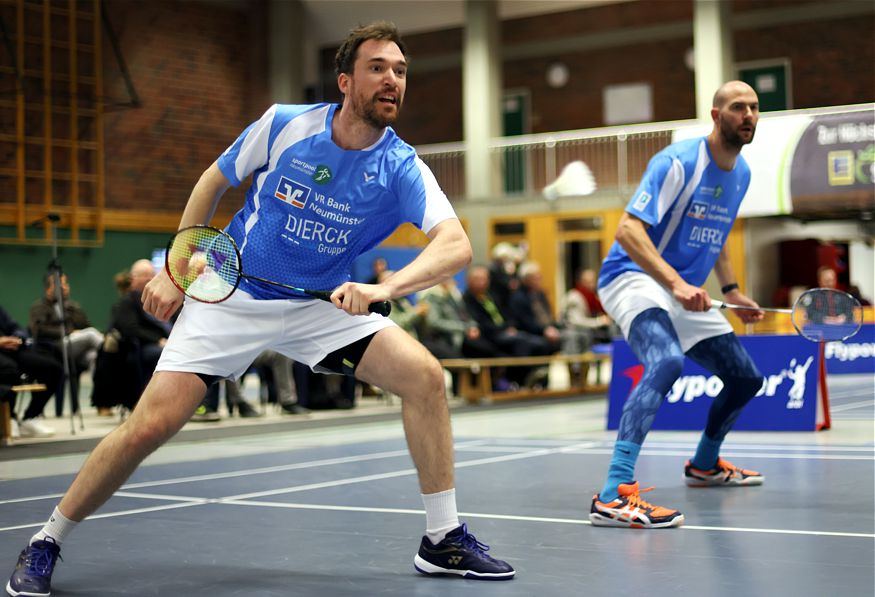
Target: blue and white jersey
[
  {"x": 690, "y": 205},
  {"x": 313, "y": 207}
]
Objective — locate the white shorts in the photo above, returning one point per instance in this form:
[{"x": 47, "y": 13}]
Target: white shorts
[
  {"x": 223, "y": 339},
  {"x": 631, "y": 293}
]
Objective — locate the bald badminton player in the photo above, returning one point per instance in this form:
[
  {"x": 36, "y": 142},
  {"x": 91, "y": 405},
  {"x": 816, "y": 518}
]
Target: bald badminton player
[
  {"x": 672, "y": 234},
  {"x": 329, "y": 183}
]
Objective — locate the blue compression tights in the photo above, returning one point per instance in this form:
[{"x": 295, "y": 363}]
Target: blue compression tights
[
  {"x": 727, "y": 359},
  {"x": 653, "y": 339}
]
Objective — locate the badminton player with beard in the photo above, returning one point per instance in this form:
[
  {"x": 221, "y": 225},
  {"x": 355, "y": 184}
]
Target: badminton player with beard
[
  {"x": 672, "y": 234},
  {"x": 329, "y": 182}
]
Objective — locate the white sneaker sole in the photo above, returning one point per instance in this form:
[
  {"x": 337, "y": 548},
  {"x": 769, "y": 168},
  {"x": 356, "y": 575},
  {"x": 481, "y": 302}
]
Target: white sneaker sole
[
  {"x": 749, "y": 482},
  {"x": 603, "y": 520},
  {"x": 425, "y": 567},
  {"x": 15, "y": 594}
]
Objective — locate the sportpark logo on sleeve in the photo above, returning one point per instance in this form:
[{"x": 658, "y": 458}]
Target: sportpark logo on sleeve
[
  {"x": 642, "y": 200},
  {"x": 292, "y": 192}
]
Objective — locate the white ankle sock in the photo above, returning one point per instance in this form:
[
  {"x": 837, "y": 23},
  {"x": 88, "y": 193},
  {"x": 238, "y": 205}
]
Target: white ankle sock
[
  {"x": 58, "y": 527},
  {"x": 441, "y": 515}
]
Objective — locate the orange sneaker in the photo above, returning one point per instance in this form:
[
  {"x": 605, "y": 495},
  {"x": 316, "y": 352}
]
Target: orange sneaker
[
  {"x": 630, "y": 511},
  {"x": 725, "y": 474}
]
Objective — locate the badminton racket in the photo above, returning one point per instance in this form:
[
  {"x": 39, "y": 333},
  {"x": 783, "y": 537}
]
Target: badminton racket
[
  {"x": 819, "y": 314},
  {"x": 205, "y": 264}
]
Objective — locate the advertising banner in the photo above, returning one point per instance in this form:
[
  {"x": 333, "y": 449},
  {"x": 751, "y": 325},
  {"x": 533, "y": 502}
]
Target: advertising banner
[
  {"x": 807, "y": 163},
  {"x": 788, "y": 400},
  {"x": 854, "y": 355}
]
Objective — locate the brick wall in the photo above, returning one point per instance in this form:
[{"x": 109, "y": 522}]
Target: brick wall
[{"x": 200, "y": 73}]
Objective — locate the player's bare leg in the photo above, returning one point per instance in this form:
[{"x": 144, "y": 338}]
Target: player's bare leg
[
  {"x": 399, "y": 364},
  {"x": 396, "y": 362},
  {"x": 166, "y": 405}
]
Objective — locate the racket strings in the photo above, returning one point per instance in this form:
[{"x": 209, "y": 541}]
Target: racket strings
[
  {"x": 204, "y": 263},
  {"x": 825, "y": 314}
]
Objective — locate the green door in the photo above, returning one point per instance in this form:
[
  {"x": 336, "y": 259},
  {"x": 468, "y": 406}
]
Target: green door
[
  {"x": 771, "y": 82},
  {"x": 515, "y": 122}
]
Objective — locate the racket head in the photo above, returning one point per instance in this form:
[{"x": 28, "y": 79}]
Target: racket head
[
  {"x": 827, "y": 315},
  {"x": 204, "y": 263}
]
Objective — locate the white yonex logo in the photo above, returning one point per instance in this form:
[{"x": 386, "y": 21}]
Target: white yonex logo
[{"x": 368, "y": 178}]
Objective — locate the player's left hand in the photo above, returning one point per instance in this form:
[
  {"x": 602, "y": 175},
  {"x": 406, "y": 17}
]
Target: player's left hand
[
  {"x": 736, "y": 297},
  {"x": 355, "y": 298}
]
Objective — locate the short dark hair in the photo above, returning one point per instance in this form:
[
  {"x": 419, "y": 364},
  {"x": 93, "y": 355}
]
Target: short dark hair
[{"x": 346, "y": 53}]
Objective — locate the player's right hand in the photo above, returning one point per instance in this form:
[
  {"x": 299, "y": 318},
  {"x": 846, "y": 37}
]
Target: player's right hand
[
  {"x": 692, "y": 298},
  {"x": 161, "y": 298}
]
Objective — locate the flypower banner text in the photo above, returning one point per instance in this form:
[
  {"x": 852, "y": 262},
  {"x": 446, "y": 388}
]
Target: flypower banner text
[{"x": 787, "y": 400}]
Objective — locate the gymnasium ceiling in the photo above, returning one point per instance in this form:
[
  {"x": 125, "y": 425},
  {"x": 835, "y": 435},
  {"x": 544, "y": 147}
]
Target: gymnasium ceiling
[{"x": 331, "y": 20}]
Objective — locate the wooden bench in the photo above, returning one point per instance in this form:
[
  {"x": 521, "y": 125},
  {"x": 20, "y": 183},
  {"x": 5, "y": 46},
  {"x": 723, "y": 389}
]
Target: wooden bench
[
  {"x": 6, "y": 411},
  {"x": 482, "y": 368}
]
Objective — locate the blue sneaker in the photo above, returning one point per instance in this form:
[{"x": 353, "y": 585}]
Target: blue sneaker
[
  {"x": 33, "y": 572},
  {"x": 460, "y": 553}
]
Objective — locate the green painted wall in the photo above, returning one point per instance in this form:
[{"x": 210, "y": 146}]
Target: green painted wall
[{"x": 90, "y": 271}]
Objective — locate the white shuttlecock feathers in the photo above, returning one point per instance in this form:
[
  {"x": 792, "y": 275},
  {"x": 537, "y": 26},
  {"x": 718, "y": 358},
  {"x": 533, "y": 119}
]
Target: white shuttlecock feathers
[{"x": 575, "y": 180}]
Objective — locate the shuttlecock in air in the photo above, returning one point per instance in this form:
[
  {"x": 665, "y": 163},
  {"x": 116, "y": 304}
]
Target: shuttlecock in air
[{"x": 575, "y": 180}]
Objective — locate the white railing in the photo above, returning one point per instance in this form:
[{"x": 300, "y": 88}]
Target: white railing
[{"x": 616, "y": 155}]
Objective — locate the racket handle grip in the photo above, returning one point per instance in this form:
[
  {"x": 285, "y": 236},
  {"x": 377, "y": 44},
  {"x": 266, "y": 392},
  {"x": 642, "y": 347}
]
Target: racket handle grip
[{"x": 381, "y": 308}]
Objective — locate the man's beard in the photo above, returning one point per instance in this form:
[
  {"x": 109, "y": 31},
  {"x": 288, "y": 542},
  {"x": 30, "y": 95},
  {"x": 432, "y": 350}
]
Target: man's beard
[
  {"x": 367, "y": 111},
  {"x": 732, "y": 138}
]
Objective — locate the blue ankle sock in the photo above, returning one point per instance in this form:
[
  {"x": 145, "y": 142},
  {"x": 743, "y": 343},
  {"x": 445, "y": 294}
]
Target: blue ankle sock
[
  {"x": 707, "y": 453},
  {"x": 622, "y": 469}
]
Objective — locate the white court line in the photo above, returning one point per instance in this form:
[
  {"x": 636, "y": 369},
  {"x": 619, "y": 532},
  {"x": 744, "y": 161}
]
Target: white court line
[
  {"x": 362, "y": 479},
  {"x": 573, "y": 448},
  {"x": 848, "y": 393},
  {"x": 733, "y": 454},
  {"x": 161, "y": 496},
  {"x": 536, "y": 518},
  {"x": 243, "y": 498},
  {"x": 287, "y": 467},
  {"x": 837, "y": 409},
  {"x": 236, "y": 502},
  {"x": 734, "y": 446},
  {"x": 248, "y": 472},
  {"x": 116, "y": 514},
  {"x": 602, "y": 448},
  {"x": 392, "y": 474}
]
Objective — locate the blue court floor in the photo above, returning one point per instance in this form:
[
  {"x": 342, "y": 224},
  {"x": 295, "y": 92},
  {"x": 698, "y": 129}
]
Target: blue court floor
[{"x": 335, "y": 511}]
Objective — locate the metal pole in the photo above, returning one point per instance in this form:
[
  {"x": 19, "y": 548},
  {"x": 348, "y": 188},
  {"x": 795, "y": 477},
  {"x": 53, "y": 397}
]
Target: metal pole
[{"x": 56, "y": 271}]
